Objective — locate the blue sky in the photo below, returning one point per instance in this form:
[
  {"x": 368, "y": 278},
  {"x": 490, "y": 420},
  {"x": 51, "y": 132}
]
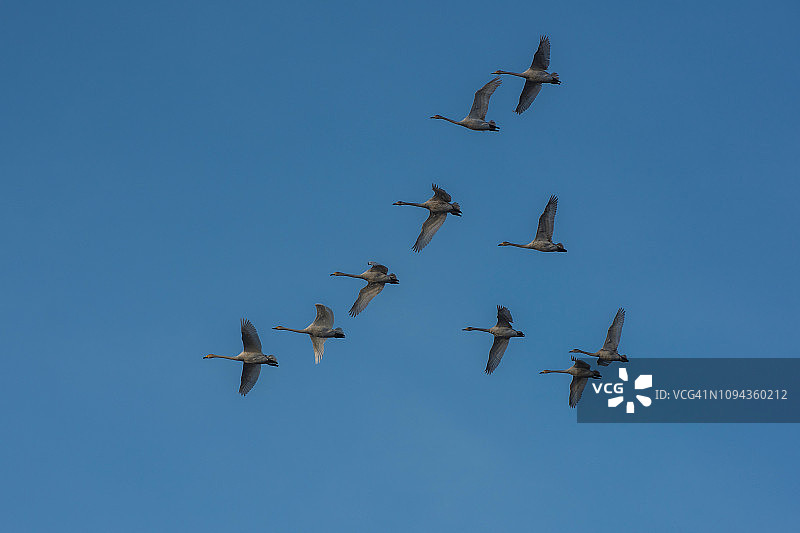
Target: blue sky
[{"x": 168, "y": 169}]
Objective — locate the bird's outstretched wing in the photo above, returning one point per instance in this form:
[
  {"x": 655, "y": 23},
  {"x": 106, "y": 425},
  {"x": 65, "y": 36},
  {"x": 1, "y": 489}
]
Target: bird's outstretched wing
[
  {"x": 529, "y": 92},
  {"x": 481, "y": 103},
  {"x": 580, "y": 363},
  {"x": 504, "y": 319},
  {"x": 440, "y": 194},
  {"x": 324, "y": 317},
  {"x": 547, "y": 221},
  {"x": 576, "y": 390},
  {"x": 429, "y": 229},
  {"x": 365, "y": 295},
  {"x": 376, "y": 267},
  {"x": 250, "y": 338},
  {"x": 250, "y": 372},
  {"x": 541, "y": 59},
  {"x": 615, "y": 331},
  {"x": 496, "y": 353},
  {"x": 319, "y": 348}
]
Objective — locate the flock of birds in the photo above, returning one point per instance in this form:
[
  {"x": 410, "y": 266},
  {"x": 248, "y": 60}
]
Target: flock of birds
[{"x": 439, "y": 206}]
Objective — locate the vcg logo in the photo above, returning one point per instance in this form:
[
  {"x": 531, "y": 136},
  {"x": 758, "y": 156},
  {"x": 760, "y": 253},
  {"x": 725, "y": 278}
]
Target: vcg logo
[{"x": 644, "y": 381}]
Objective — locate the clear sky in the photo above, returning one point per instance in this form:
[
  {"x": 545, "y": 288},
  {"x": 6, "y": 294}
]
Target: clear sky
[{"x": 170, "y": 167}]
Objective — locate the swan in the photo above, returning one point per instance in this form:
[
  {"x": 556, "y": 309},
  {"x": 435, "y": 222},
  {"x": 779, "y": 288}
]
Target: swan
[
  {"x": 439, "y": 206},
  {"x": 319, "y": 330},
  {"x": 251, "y": 357},
  {"x": 608, "y": 352},
  {"x": 544, "y": 233},
  {"x": 535, "y": 76},
  {"x": 376, "y": 277},
  {"x": 476, "y": 120},
  {"x": 502, "y": 332},
  {"x": 581, "y": 372}
]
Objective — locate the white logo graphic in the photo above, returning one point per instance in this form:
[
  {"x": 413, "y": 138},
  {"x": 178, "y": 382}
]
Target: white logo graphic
[{"x": 644, "y": 381}]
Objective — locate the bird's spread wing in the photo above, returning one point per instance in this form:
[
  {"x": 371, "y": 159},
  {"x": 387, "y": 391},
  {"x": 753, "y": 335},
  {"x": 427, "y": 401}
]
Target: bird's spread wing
[
  {"x": 250, "y": 372},
  {"x": 481, "y": 103},
  {"x": 576, "y": 389},
  {"x": 529, "y": 93},
  {"x": 365, "y": 295},
  {"x": 319, "y": 348},
  {"x": 429, "y": 229},
  {"x": 375, "y": 267},
  {"x": 440, "y": 194},
  {"x": 547, "y": 221},
  {"x": 614, "y": 332},
  {"x": 496, "y": 353},
  {"x": 580, "y": 363},
  {"x": 541, "y": 59},
  {"x": 504, "y": 319},
  {"x": 250, "y": 338},
  {"x": 324, "y": 317}
]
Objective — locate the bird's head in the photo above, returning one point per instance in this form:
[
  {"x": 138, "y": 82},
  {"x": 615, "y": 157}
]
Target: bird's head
[
  {"x": 393, "y": 279},
  {"x": 497, "y": 72},
  {"x": 623, "y": 358},
  {"x": 596, "y": 374},
  {"x": 574, "y": 350},
  {"x": 400, "y": 203},
  {"x": 456, "y": 209},
  {"x": 520, "y": 334},
  {"x": 337, "y": 274},
  {"x": 338, "y": 333},
  {"x": 560, "y": 247},
  {"x": 272, "y": 361},
  {"x": 504, "y": 243},
  {"x": 437, "y": 116},
  {"x": 209, "y": 356}
]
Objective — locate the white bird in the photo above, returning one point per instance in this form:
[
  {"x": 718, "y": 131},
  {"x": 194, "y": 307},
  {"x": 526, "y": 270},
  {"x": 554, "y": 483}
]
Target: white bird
[
  {"x": 535, "y": 76},
  {"x": 581, "y": 372},
  {"x": 376, "y": 277},
  {"x": 476, "y": 120},
  {"x": 319, "y": 330},
  {"x": 251, "y": 357},
  {"x": 544, "y": 233},
  {"x": 609, "y": 352},
  {"x": 502, "y": 332},
  {"x": 439, "y": 206}
]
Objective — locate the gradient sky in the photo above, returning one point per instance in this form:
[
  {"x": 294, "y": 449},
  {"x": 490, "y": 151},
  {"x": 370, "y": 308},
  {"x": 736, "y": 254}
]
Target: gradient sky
[{"x": 168, "y": 169}]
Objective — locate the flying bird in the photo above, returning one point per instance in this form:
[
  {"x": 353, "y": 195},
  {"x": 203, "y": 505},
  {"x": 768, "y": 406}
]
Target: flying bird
[
  {"x": 535, "y": 76},
  {"x": 476, "y": 120},
  {"x": 251, "y": 357},
  {"x": 608, "y": 352},
  {"x": 376, "y": 277},
  {"x": 581, "y": 371},
  {"x": 439, "y": 206},
  {"x": 319, "y": 330},
  {"x": 544, "y": 233},
  {"x": 502, "y": 332}
]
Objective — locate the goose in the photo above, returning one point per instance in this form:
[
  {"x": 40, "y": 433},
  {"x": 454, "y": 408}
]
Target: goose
[
  {"x": 581, "y": 372},
  {"x": 608, "y": 352},
  {"x": 376, "y": 277},
  {"x": 476, "y": 120},
  {"x": 502, "y": 331},
  {"x": 544, "y": 233},
  {"x": 535, "y": 76},
  {"x": 439, "y": 206},
  {"x": 251, "y": 357},
  {"x": 319, "y": 330}
]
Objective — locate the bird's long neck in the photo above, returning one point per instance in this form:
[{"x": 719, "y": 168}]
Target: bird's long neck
[
  {"x": 290, "y": 329},
  {"x": 554, "y": 371},
  {"x": 514, "y": 244},
  {"x": 212, "y": 356},
  {"x": 449, "y": 120},
  {"x": 581, "y": 351},
  {"x": 410, "y": 203},
  {"x": 512, "y": 73},
  {"x": 348, "y": 275},
  {"x": 476, "y": 329}
]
